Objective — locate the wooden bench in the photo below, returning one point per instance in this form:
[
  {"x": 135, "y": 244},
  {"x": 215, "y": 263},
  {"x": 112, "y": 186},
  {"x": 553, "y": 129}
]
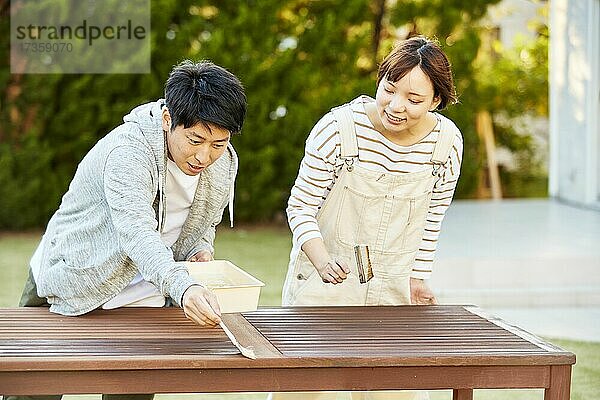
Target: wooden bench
[{"x": 157, "y": 350}]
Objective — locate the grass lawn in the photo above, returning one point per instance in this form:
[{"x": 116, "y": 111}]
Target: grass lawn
[{"x": 263, "y": 252}]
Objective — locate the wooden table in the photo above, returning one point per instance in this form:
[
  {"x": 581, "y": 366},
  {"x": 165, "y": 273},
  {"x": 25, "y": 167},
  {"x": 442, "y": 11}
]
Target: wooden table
[{"x": 156, "y": 350}]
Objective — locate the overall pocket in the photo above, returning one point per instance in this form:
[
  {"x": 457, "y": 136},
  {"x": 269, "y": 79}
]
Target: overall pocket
[
  {"x": 405, "y": 235},
  {"x": 310, "y": 290},
  {"x": 395, "y": 289},
  {"x": 391, "y": 280},
  {"x": 378, "y": 221}
]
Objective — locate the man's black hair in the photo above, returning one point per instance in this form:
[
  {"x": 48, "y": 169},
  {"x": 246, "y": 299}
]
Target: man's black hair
[{"x": 202, "y": 92}]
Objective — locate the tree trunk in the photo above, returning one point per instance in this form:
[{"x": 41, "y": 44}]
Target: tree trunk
[{"x": 379, "y": 6}]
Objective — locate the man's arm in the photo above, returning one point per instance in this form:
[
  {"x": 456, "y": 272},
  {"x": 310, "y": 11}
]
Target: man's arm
[
  {"x": 129, "y": 193},
  {"x": 206, "y": 242}
]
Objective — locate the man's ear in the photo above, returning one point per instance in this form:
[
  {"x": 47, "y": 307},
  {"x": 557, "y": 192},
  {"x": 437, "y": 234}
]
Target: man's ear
[{"x": 166, "y": 120}]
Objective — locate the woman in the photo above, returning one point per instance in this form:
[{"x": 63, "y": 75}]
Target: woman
[{"x": 373, "y": 187}]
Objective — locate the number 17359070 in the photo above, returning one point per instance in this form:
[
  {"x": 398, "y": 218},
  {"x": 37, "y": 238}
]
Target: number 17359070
[{"x": 46, "y": 47}]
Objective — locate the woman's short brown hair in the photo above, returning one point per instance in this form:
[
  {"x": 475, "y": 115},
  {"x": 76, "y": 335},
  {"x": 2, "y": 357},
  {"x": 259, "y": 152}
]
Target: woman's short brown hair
[{"x": 427, "y": 54}]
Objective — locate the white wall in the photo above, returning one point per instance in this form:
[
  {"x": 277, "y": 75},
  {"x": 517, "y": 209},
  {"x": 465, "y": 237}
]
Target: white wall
[
  {"x": 574, "y": 61},
  {"x": 513, "y": 18}
]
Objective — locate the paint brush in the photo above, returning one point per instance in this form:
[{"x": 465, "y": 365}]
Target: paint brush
[{"x": 246, "y": 352}]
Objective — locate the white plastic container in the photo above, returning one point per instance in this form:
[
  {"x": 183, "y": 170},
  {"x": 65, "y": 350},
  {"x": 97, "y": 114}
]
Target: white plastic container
[{"x": 236, "y": 290}]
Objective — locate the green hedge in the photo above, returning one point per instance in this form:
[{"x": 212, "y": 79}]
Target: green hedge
[{"x": 302, "y": 57}]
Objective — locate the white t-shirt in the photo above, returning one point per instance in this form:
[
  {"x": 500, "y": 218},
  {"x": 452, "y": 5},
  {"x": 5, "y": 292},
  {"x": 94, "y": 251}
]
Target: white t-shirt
[{"x": 179, "y": 192}]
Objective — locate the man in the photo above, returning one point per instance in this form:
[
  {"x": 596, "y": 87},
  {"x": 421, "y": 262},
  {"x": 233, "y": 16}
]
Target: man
[{"x": 145, "y": 197}]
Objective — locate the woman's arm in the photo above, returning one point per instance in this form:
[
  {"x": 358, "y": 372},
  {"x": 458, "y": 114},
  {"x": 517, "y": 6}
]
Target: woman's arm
[
  {"x": 441, "y": 198},
  {"x": 443, "y": 192},
  {"x": 313, "y": 183}
]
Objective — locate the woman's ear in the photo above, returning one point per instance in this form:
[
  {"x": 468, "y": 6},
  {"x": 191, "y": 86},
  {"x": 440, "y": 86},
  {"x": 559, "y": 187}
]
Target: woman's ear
[
  {"x": 166, "y": 120},
  {"x": 435, "y": 103}
]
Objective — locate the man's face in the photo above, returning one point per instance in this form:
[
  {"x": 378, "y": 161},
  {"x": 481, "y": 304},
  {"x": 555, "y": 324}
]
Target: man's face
[{"x": 194, "y": 148}]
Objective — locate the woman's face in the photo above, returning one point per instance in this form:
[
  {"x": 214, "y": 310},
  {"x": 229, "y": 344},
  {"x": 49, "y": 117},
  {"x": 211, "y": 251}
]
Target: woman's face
[{"x": 402, "y": 106}]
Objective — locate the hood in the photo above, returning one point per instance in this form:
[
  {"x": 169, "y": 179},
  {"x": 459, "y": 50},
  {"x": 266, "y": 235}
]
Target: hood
[{"x": 148, "y": 117}]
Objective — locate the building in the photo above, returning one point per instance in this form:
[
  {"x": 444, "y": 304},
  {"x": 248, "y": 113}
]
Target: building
[{"x": 574, "y": 60}]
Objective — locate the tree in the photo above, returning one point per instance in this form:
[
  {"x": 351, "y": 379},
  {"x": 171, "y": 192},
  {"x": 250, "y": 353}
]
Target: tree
[{"x": 296, "y": 58}]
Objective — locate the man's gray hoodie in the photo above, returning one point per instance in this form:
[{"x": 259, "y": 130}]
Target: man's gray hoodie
[{"x": 108, "y": 225}]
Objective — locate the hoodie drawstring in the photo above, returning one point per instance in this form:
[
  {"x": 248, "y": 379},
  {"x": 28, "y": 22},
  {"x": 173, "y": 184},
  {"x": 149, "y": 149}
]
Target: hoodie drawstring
[
  {"x": 231, "y": 193},
  {"x": 160, "y": 204}
]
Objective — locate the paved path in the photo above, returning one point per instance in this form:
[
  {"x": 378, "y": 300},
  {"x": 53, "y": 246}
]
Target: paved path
[
  {"x": 575, "y": 323},
  {"x": 535, "y": 263}
]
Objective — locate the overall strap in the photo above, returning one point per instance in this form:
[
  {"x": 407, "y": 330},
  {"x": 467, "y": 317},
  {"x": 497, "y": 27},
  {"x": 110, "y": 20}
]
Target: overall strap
[
  {"x": 345, "y": 120},
  {"x": 444, "y": 143}
]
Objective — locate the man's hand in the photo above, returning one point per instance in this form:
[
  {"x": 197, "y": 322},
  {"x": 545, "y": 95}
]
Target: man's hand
[
  {"x": 420, "y": 293},
  {"x": 202, "y": 255},
  {"x": 333, "y": 271},
  {"x": 201, "y": 306}
]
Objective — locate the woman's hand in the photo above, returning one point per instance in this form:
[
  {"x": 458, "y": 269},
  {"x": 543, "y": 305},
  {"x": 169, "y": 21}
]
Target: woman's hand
[
  {"x": 420, "y": 293},
  {"x": 333, "y": 271},
  {"x": 201, "y": 306},
  {"x": 202, "y": 255}
]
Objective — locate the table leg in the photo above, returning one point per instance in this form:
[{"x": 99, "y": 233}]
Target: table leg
[
  {"x": 560, "y": 383},
  {"x": 462, "y": 394}
]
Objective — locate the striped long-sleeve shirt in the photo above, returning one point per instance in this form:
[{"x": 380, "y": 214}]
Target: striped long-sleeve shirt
[{"x": 317, "y": 174}]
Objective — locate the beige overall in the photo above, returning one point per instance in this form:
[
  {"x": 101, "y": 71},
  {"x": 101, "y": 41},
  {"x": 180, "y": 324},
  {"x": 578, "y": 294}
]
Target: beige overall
[{"x": 387, "y": 212}]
